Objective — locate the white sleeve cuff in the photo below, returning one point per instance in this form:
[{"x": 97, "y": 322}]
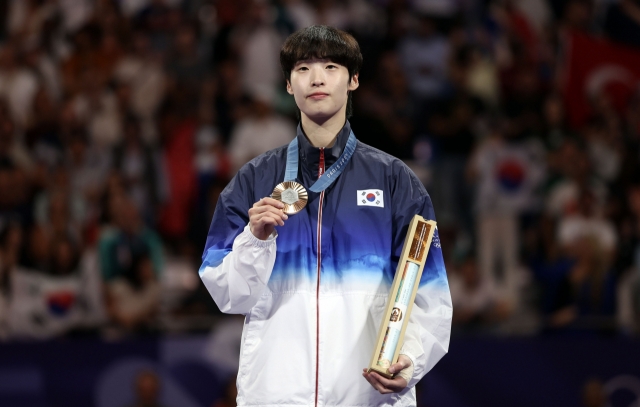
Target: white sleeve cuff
[
  {"x": 407, "y": 373},
  {"x": 254, "y": 241}
]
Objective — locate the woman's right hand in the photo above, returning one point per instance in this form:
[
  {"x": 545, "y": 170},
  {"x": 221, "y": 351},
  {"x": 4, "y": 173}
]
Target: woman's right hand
[{"x": 264, "y": 216}]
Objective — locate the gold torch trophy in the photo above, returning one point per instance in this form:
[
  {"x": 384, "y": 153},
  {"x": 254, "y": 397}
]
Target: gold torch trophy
[{"x": 403, "y": 293}]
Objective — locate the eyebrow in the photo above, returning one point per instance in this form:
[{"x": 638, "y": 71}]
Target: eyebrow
[{"x": 307, "y": 61}]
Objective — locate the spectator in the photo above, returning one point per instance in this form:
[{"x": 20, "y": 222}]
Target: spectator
[
  {"x": 43, "y": 136},
  {"x": 133, "y": 299},
  {"x": 141, "y": 170},
  {"x": 622, "y": 23},
  {"x": 228, "y": 399},
  {"x": 37, "y": 251},
  {"x": 109, "y": 16},
  {"x": 586, "y": 298},
  {"x": 477, "y": 306},
  {"x": 628, "y": 302},
  {"x": 587, "y": 224},
  {"x": 18, "y": 85},
  {"x": 186, "y": 68},
  {"x": 131, "y": 264},
  {"x": 12, "y": 152},
  {"x": 507, "y": 171},
  {"x": 578, "y": 15},
  {"x": 550, "y": 265},
  {"x": 97, "y": 107},
  {"x": 142, "y": 69},
  {"x": 256, "y": 43},
  {"x": 231, "y": 100},
  {"x": 574, "y": 173},
  {"x": 75, "y": 13},
  {"x": 26, "y": 19},
  {"x": 11, "y": 237},
  {"x": 384, "y": 110},
  {"x": 474, "y": 73},
  {"x": 122, "y": 246},
  {"x": 424, "y": 55},
  {"x": 555, "y": 130},
  {"x": 213, "y": 167},
  {"x": 86, "y": 164},
  {"x": 260, "y": 131},
  {"x": 44, "y": 67},
  {"x": 60, "y": 298},
  {"x": 453, "y": 130},
  {"x": 594, "y": 394},
  {"x": 177, "y": 125},
  {"x": 155, "y": 19},
  {"x": 628, "y": 310},
  {"x": 327, "y": 12},
  {"x": 81, "y": 59},
  {"x": 108, "y": 54},
  {"x": 61, "y": 208},
  {"x": 147, "y": 389},
  {"x": 604, "y": 148},
  {"x": 211, "y": 158},
  {"x": 15, "y": 182}
]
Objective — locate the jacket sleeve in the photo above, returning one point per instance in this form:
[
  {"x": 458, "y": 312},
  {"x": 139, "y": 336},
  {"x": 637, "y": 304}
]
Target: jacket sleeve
[
  {"x": 427, "y": 336},
  {"x": 236, "y": 265},
  {"x": 238, "y": 281}
]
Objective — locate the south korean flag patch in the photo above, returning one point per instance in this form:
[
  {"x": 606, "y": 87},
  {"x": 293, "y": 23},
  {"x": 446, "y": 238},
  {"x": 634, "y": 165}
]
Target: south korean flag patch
[{"x": 371, "y": 197}]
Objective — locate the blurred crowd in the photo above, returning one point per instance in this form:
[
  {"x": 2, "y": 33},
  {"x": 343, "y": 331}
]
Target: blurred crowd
[{"x": 121, "y": 121}]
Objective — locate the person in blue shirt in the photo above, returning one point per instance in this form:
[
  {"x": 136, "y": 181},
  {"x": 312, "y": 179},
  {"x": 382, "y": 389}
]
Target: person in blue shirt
[{"x": 313, "y": 285}]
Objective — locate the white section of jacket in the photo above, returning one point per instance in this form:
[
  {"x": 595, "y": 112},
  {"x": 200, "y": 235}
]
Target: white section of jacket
[
  {"x": 238, "y": 282},
  {"x": 239, "y": 285}
]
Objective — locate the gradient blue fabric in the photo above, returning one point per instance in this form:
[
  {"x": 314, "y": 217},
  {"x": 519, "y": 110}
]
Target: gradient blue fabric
[{"x": 356, "y": 239}]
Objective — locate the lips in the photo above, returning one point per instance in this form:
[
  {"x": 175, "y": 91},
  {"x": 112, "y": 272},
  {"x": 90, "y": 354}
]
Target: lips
[{"x": 318, "y": 95}]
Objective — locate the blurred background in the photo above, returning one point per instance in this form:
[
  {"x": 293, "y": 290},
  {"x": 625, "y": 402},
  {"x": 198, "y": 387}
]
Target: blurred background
[{"x": 122, "y": 120}]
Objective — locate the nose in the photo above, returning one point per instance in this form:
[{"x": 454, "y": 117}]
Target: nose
[{"x": 317, "y": 76}]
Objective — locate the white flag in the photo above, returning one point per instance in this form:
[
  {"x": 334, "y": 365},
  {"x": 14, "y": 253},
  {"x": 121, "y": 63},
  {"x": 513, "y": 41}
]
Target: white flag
[{"x": 371, "y": 197}]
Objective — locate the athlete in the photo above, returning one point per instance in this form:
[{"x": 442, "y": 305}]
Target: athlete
[{"x": 313, "y": 285}]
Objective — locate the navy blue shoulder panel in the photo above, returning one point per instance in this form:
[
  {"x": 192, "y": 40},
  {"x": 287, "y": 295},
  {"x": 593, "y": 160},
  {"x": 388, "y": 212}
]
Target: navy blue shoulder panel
[
  {"x": 254, "y": 181},
  {"x": 408, "y": 195}
]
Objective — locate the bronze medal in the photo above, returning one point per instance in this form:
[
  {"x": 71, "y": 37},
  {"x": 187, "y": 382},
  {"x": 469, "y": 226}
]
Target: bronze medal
[{"x": 293, "y": 195}]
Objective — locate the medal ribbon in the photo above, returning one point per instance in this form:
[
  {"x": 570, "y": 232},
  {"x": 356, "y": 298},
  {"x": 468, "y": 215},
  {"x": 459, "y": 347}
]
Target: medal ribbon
[{"x": 330, "y": 175}]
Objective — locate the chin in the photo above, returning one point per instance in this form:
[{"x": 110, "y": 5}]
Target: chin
[{"x": 320, "y": 116}]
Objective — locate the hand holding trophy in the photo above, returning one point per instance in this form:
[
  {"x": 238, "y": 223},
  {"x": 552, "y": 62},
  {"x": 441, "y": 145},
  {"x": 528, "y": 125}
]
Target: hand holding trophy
[{"x": 403, "y": 293}]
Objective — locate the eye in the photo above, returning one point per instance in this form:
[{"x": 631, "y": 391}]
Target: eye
[
  {"x": 331, "y": 66},
  {"x": 302, "y": 68}
]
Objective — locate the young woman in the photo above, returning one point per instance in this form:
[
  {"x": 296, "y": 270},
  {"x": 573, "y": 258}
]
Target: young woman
[{"x": 313, "y": 285}]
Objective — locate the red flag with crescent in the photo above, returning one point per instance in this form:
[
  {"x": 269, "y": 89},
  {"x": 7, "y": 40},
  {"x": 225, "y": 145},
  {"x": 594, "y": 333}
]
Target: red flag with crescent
[{"x": 594, "y": 67}]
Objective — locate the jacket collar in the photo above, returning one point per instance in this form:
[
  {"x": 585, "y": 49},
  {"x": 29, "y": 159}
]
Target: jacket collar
[{"x": 310, "y": 155}]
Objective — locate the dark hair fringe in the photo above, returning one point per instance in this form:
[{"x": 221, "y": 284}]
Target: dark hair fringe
[{"x": 322, "y": 42}]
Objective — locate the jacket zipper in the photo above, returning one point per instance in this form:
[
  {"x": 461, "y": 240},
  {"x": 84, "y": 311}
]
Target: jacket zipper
[{"x": 319, "y": 251}]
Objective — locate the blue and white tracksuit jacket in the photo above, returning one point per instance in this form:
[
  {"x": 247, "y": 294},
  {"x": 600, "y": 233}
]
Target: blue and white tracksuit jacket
[{"x": 314, "y": 294}]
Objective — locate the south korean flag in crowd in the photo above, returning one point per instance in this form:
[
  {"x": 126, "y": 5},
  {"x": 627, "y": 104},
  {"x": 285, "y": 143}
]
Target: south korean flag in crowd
[{"x": 371, "y": 197}]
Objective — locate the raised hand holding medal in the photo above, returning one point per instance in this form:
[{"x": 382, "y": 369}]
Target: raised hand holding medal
[{"x": 264, "y": 216}]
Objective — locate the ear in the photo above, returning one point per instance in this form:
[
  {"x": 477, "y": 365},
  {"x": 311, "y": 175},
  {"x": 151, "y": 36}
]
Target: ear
[
  {"x": 353, "y": 83},
  {"x": 289, "y": 89}
]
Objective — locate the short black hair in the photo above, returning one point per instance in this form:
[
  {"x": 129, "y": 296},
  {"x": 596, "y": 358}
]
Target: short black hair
[{"x": 321, "y": 42}]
